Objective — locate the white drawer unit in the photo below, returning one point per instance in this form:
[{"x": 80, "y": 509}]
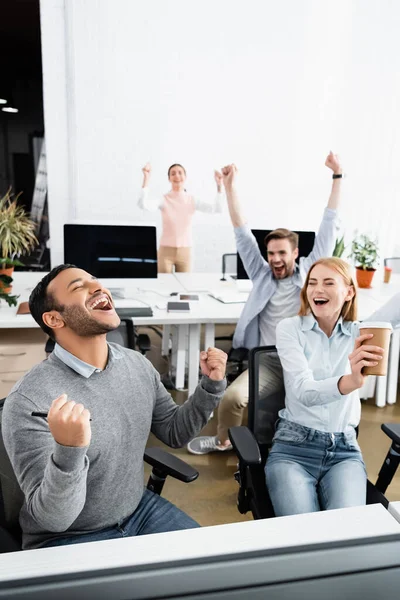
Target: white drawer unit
[{"x": 20, "y": 350}]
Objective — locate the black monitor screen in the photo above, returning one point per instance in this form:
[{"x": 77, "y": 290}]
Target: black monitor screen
[
  {"x": 112, "y": 251},
  {"x": 306, "y": 243}
]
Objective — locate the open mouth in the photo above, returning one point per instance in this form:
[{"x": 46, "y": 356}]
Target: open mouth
[
  {"x": 102, "y": 302},
  {"x": 320, "y": 301}
]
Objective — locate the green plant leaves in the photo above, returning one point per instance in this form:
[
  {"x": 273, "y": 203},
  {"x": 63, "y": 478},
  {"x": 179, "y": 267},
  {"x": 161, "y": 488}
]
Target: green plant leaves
[
  {"x": 365, "y": 252},
  {"x": 17, "y": 230}
]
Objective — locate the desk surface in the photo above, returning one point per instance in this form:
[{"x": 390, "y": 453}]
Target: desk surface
[
  {"x": 328, "y": 526},
  {"x": 156, "y": 293}
]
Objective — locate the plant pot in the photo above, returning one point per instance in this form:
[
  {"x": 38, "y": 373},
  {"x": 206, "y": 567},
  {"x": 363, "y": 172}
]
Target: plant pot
[
  {"x": 6, "y": 271},
  {"x": 364, "y": 277}
]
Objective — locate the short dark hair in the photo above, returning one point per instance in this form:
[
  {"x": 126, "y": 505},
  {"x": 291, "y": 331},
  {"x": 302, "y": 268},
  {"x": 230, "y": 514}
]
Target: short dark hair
[
  {"x": 176, "y": 165},
  {"x": 40, "y": 301},
  {"x": 283, "y": 234}
]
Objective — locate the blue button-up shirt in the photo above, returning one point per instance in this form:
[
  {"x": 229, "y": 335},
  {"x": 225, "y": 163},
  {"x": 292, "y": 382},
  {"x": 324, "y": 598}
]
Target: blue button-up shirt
[
  {"x": 313, "y": 364},
  {"x": 78, "y": 365},
  {"x": 247, "y": 333}
]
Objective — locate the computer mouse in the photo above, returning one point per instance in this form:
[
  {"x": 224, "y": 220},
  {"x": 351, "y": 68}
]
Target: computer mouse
[{"x": 174, "y": 294}]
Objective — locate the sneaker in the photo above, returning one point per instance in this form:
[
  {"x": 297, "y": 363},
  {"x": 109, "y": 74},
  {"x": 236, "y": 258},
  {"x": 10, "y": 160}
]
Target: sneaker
[{"x": 205, "y": 444}]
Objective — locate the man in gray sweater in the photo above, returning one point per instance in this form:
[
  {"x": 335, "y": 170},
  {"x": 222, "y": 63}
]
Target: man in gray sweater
[{"x": 81, "y": 470}]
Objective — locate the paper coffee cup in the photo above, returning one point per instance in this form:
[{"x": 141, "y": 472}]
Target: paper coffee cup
[{"x": 381, "y": 332}]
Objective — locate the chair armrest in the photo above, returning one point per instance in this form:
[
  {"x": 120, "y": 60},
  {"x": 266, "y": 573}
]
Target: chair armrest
[
  {"x": 245, "y": 445},
  {"x": 392, "y": 430},
  {"x": 168, "y": 464}
]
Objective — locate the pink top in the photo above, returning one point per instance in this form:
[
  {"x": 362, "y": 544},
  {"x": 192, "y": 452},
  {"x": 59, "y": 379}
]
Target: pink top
[{"x": 177, "y": 210}]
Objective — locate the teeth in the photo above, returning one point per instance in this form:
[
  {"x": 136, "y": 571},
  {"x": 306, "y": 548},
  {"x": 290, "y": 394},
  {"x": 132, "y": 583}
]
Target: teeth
[{"x": 101, "y": 300}]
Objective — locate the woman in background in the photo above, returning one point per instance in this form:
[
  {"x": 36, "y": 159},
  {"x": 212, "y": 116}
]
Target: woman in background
[
  {"x": 177, "y": 210},
  {"x": 315, "y": 462}
]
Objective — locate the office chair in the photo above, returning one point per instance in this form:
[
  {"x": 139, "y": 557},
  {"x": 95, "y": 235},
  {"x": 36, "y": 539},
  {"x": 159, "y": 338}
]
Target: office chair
[
  {"x": 393, "y": 262},
  {"x": 229, "y": 266},
  {"x": 11, "y": 496},
  {"x": 252, "y": 444}
]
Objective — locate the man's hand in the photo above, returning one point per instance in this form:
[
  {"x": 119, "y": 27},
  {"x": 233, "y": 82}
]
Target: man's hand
[
  {"x": 333, "y": 162},
  {"x": 228, "y": 175},
  {"x": 69, "y": 422},
  {"x": 363, "y": 356},
  {"x": 213, "y": 364}
]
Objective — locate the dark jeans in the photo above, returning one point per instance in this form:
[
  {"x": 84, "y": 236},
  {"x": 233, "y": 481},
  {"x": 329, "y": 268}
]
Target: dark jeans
[{"x": 153, "y": 515}]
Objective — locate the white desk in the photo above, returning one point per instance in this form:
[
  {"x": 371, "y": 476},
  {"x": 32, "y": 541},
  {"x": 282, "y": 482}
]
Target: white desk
[
  {"x": 208, "y": 311},
  {"x": 221, "y": 540},
  {"x": 394, "y": 510}
]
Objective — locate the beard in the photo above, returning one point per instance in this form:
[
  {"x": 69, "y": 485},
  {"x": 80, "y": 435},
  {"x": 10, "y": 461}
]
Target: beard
[{"x": 77, "y": 319}]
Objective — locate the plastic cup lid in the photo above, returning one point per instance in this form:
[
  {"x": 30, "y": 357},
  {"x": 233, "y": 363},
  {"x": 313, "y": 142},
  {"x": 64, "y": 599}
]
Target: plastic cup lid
[{"x": 376, "y": 325}]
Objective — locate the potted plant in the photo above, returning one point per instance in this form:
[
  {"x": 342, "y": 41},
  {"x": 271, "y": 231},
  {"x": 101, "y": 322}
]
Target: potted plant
[
  {"x": 17, "y": 237},
  {"x": 339, "y": 247},
  {"x": 364, "y": 251}
]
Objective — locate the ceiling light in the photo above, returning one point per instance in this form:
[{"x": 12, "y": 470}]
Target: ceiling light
[
  {"x": 3, "y": 101},
  {"x": 9, "y": 109}
]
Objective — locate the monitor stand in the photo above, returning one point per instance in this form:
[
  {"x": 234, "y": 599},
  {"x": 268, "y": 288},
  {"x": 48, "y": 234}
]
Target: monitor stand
[{"x": 117, "y": 292}]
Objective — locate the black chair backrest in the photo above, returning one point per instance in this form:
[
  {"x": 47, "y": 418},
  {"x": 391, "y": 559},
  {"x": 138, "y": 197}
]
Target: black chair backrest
[
  {"x": 393, "y": 262},
  {"x": 262, "y": 408},
  {"x": 11, "y": 496},
  {"x": 229, "y": 264}
]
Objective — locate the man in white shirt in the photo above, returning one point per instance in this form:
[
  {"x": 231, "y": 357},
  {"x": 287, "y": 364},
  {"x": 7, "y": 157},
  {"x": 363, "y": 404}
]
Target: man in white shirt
[{"x": 275, "y": 296}]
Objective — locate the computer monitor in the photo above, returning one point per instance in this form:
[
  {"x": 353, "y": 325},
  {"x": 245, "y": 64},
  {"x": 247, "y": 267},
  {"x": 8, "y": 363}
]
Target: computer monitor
[
  {"x": 112, "y": 251},
  {"x": 306, "y": 243},
  {"x": 366, "y": 568}
]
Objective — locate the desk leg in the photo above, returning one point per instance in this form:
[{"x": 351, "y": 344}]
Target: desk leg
[
  {"x": 209, "y": 336},
  {"x": 380, "y": 391},
  {"x": 393, "y": 367},
  {"x": 194, "y": 356},
  {"x": 179, "y": 354},
  {"x": 166, "y": 334}
]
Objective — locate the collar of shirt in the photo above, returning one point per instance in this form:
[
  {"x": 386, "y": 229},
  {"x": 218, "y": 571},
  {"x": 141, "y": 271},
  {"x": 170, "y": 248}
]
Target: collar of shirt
[
  {"x": 310, "y": 322},
  {"x": 78, "y": 365}
]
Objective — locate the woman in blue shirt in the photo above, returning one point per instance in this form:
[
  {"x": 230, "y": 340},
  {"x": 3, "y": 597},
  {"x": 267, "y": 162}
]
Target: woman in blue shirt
[{"x": 315, "y": 461}]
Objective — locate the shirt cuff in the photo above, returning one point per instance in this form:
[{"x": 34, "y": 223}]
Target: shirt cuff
[
  {"x": 213, "y": 387},
  {"x": 69, "y": 458},
  {"x": 330, "y": 388},
  {"x": 330, "y": 213}
]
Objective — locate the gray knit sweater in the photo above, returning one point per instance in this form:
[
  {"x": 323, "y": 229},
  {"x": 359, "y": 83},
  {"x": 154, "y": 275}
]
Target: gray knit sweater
[{"x": 70, "y": 491}]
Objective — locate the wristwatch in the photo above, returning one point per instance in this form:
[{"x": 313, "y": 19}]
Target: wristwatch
[{"x": 337, "y": 176}]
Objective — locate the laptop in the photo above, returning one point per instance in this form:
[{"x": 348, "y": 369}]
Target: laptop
[{"x": 230, "y": 297}]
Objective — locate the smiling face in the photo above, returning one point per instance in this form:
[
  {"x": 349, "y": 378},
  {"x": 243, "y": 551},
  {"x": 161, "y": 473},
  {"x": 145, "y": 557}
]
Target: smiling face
[
  {"x": 281, "y": 258},
  {"x": 177, "y": 175},
  {"x": 81, "y": 305},
  {"x": 327, "y": 291}
]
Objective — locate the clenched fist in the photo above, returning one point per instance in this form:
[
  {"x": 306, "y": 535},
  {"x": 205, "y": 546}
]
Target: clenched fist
[
  {"x": 333, "y": 162},
  {"x": 147, "y": 170},
  {"x": 213, "y": 363},
  {"x": 228, "y": 175},
  {"x": 69, "y": 422}
]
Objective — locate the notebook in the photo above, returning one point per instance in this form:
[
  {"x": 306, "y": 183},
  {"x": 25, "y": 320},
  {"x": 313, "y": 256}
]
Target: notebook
[{"x": 230, "y": 297}]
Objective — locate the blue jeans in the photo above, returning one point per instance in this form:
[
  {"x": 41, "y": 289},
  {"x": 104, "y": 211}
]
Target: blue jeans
[
  {"x": 153, "y": 515},
  {"x": 309, "y": 470}
]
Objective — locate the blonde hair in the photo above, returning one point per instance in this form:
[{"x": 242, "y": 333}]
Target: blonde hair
[{"x": 349, "y": 308}]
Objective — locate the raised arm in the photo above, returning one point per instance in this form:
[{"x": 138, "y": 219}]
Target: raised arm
[
  {"x": 235, "y": 211},
  {"x": 177, "y": 425},
  {"x": 333, "y": 163},
  {"x": 216, "y": 206},
  {"x": 325, "y": 239},
  {"x": 143, "y": 201}
]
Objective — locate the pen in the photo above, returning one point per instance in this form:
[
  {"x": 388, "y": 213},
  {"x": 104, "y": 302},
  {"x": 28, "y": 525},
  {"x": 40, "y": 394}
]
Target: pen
[{"x": 42, "y": 414}]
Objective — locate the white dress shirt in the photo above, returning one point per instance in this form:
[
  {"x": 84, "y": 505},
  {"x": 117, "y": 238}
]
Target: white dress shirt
[{"x": 312, "y": 365}]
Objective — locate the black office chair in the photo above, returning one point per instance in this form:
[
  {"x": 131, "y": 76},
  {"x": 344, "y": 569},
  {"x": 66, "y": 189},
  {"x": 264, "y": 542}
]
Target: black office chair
[
  {"x": 229, "y": 266},
  {"x": 252, "y": 444},
  {"x": 11, "y": 496},
  {"x": 393, "y": 262}
]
